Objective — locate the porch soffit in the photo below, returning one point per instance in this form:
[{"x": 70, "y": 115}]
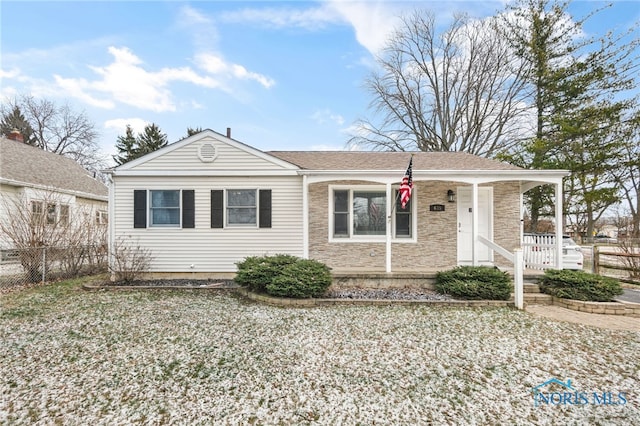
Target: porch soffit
[{"x": 526, "y": 178}]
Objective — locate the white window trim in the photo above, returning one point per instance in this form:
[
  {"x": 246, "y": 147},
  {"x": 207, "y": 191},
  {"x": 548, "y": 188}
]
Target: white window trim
[
  {"x": 370, "y": 238},
  {"x": 44, "y": 212},
  {"x": 226, "y": 208},
  {"x": 150, "y": 216}
]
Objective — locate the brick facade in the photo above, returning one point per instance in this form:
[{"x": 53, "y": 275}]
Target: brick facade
[{"x": 435, "y": 247}]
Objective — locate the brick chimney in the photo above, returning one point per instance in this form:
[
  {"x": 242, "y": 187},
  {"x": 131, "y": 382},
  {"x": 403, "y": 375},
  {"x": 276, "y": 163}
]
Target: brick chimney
[{"x": 15, "y": 135}]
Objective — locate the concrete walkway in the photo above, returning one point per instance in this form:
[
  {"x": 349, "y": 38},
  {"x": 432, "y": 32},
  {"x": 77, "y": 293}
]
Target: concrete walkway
[
  {"x": 610, "y": 322},
  {"x": 629, "y": 295}
]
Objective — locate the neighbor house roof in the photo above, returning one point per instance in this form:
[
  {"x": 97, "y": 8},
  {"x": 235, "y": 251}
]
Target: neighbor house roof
[
  {"x": 360, "y": 160},
  {"x": 26, "y": 165}
]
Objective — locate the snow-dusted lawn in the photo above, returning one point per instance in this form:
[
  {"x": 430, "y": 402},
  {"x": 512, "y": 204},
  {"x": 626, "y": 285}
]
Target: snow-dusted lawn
[{"x": 70, "y": 356}]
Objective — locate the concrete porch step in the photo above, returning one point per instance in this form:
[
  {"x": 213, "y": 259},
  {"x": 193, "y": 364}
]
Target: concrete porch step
[{"x": 531, "y": 288}]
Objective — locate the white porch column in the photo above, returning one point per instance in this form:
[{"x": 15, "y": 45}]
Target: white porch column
[
  {"x": 559, "y": 224},
  {"x": 474, "y": 224},
  {"x": 390, "y": 206},
  {"x": 305, "y": 217},
  {"x": 518, "y": 278}
]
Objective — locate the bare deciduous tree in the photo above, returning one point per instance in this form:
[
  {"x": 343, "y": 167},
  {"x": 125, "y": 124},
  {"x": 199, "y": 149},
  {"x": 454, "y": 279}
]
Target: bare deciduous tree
[
  {"x": 129, "y": 261},
  {"x": 459, "y": 90},
  {"x": 45, "y": 219},
  {"x": 59, "y": 129}
]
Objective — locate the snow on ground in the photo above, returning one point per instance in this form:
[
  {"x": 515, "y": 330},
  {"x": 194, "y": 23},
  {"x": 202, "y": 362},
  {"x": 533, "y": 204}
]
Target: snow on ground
[{"x": 201, "y": 357}]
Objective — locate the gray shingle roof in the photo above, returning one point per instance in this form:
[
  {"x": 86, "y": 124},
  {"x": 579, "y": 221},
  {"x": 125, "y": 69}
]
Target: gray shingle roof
[
  {"x": 26, "y": 164},
  {"x": 360, "y": 160}
]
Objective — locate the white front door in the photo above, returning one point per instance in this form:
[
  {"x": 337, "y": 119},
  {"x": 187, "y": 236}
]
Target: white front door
[{"x": 465, "y": 223}]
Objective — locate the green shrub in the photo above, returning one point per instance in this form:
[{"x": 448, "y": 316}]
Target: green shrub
[
  {"x": 579, "y": 285},
  {"x": 304, "y": 278},
  {"x": 474, "y": 282},
  {"x": 255, "y": 272}
]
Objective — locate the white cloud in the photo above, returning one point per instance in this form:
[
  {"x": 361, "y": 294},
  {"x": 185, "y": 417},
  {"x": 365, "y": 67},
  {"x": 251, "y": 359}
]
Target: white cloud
[
  {"x": 125, "y": 80},
  {"x": 289, "y": 17},
  {"x": 324, "y": 116},
  {"x": 214, "y": 64},
  {"x": 120, "y": 124},
  {"x": 372, "y": 21}
]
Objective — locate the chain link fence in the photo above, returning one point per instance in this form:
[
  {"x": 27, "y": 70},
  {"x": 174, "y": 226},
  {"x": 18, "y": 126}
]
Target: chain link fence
[{"x": 33, "y": 265}]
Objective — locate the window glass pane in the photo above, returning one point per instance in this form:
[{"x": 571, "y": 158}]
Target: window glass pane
[
  {"x": 64, "y": 214},
  {"x": 165, "y": 207},
  {"x": 341, "y": 201},
  {"x": 242, "y": 207},
  {"x": 369, "y": 213},
  {"x": 341, "y": 225},
  {"x": 403, "y": 219},
  {"x": 403, "y": 225},
  {"x": 51, "y": 214},
  {"x": 165, "y": 199},
  {"x": 242, "y": 216},
  {"x": 241, "y": 198},
  {"x": 165, "y": 216}
]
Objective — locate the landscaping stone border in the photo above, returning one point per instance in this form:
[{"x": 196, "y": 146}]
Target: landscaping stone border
[
  {"x": 304, "y": 303},
  {"x": 609, "y": 308}
]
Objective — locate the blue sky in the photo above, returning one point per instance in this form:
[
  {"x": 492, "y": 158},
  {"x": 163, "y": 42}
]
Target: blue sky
[{"x": 284, "y": 75}]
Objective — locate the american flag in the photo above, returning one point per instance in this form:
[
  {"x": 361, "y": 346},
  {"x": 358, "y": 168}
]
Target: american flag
[{"x": 406, "y": 185}]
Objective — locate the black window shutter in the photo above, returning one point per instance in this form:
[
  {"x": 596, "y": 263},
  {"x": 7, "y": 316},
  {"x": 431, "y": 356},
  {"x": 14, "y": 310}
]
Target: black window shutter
[
  {"x": 140, "y": 208},
  {"x": 265, "y": 208},
  {"x": 217, "y": 208},
  {"x": 188, "y": 208}
]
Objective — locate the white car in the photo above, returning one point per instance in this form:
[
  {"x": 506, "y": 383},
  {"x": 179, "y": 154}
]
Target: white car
[{"x": 539, "y": 251}]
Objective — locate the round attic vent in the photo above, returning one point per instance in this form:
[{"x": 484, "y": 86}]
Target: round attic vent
[{"x": 207, "y": 152}]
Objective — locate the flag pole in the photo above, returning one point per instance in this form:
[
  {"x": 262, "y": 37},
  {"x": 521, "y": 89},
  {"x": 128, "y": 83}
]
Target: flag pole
[{"x": 393, "y": 207}]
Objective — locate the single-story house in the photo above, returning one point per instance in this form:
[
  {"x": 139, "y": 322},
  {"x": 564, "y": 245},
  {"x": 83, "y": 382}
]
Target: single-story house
[
  {"x": 44, "y": 188},
  {"x": 208, "y": 201}
]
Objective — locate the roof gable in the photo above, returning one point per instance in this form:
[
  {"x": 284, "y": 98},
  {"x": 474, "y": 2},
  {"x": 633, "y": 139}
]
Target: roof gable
[
  {"x": 25, "y": 165},
  {"x": 208, "y": 151}
]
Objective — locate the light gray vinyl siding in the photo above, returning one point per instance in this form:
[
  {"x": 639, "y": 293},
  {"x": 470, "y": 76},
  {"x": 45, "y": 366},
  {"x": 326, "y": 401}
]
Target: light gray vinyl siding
[
  {"x": 227, "y": 157},
  {"x": 207, "y": 249}
]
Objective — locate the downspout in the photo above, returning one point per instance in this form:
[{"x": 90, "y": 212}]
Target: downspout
[
  {"x": 305, "y": 217},
  {"x": 559, "y": 230},
  {"x": 112, "y": 221},
  {"x": 390, "y": 208},
  {"x": 474, "y": 224}
]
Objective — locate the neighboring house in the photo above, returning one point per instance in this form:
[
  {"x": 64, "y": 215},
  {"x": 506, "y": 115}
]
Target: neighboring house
[
  {"x": 38, "y": 184},
  {"x": 206, "y": 202}
]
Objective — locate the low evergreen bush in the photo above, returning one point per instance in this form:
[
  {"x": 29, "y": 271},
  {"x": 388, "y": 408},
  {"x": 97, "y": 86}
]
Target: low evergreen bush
[
  {"x": 579, "y": 285},
  {"x": 302, "y": 279},
  {"x": 284, "y": 275},
  {"x": 255, "y": 272},
  {"x": 474, "y": 282}
]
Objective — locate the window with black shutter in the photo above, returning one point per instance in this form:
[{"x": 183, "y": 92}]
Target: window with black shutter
[
  {"x": 265, "y": 208},
  {"x": 217, "y": 208},
  {"x": 140, "y": 208}
]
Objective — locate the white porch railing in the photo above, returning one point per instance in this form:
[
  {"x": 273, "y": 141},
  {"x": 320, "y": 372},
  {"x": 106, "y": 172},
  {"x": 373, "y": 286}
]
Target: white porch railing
[
  {"x": 518, "y": 269},
  {"x": 539, "y": 251}
]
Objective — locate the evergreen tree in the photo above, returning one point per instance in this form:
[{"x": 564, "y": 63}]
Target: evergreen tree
[
  {"x": 13, "y": 119},
  {"x": 130, "y": 148},
  {"x": 127, "y": 147},
  {"x": 151, "y": 139},
  {"x": 191, "y": 131},
  {"x": 573, "y": 81}
]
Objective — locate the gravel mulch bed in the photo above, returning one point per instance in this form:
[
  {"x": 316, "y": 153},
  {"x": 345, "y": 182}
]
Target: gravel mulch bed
[
  {"x": 352, "y": 293},
  {"x": 392, "y": 294}
]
